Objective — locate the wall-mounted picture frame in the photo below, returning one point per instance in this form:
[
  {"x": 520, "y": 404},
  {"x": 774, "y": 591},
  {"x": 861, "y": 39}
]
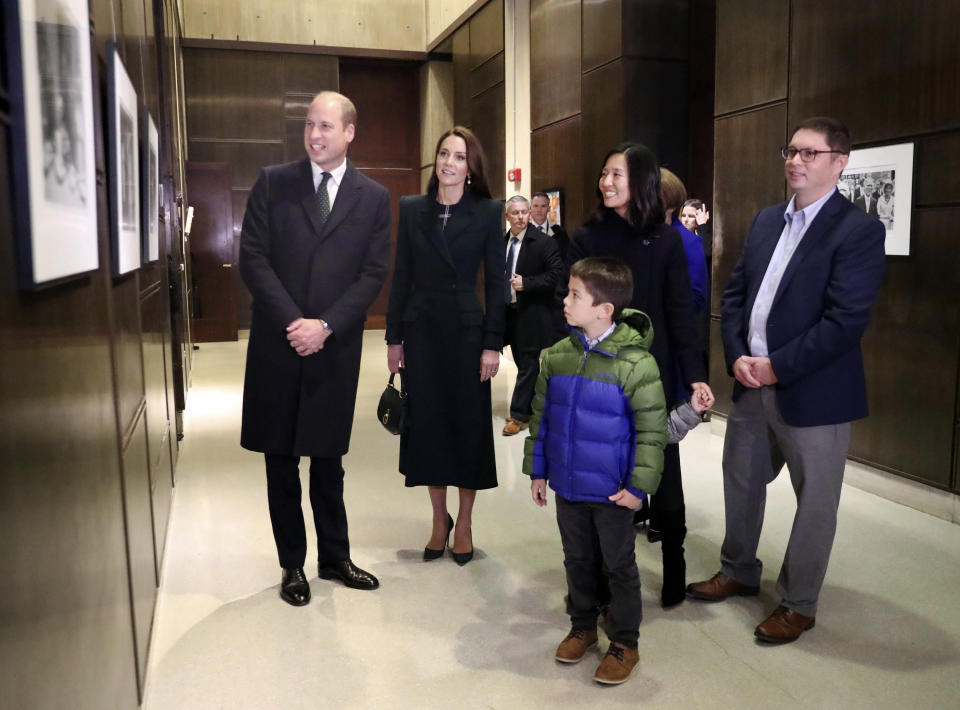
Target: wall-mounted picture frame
[
  {"x": 124, "y": 165},
  {"x": 880, "y": 182},
  {"x": 555, "y": 213},
  {"x": 150, "y": 187},
  {"x": 47, "y": 47}
]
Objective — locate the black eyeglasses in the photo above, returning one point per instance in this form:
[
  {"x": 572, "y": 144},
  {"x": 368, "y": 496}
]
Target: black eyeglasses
[{"x": 807, "y": 155}]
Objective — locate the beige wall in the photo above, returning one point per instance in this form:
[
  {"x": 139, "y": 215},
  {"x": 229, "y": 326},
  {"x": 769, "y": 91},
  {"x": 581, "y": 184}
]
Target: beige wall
[
  {"x": 436, "y": 111},
  {"x": 440, "y": 14},
  {"x": 380, "y": 24},
  {"x": 516, "y": 52}
]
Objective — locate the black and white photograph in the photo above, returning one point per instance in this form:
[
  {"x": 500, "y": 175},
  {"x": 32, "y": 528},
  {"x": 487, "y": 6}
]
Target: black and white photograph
[
  {"x": 149, "y": 180},
  {"x": 879, "y": 181},
  {"x": 47, "y": 46},
  {"x": 124, "y": 164}
]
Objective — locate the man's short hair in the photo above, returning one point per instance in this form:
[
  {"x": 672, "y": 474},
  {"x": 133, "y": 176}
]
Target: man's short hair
[
  {"x": 836, "y": 133},
  {"x": 348, "y": 111},
  {"x": 540, "y": 194},
  {"x": 607, "y": 280},
  {"x": 672, "y": 192},
  {"x": 516, "y": 198}
]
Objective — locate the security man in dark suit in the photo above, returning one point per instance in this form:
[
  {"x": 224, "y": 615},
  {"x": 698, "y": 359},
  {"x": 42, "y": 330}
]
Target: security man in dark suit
[
  {"x": 314, "y": 252},
  {"x": 793, "y": 315},
  {"x": 533, "y": 268}
]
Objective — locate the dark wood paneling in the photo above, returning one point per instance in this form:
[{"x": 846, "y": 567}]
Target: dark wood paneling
[
  {"x": 752, "y": 52},
  {"x": 462, "y": 108},
  {"x": 380, "y": 90},
  {"x": 655, "y": 29},
  {"x": 703, "y": 19},
  {"x": 246, "y": 158},
  {"x": 232, "y": 94},
  {"x": 140, "y": 544},
  {"x": 554, "y": 164},
  {"x": 554, "y": 61},
  {"x": 720, "y": 382},
  {"x": 487, "y": 75},
  {"x": 309, "y": 74},
  {"x": 603, "y": 122},
  {"x": 127, "y": 347},
  {"x": 488, "y": 124},
  {"x": 486, "y": 33},
  {"x": 656, "y": 114},
  {"x": 602, "y": 33},
  {"x": 911, "y": 350},
  {"x": 935, "y": 175},
  {"x": 891, "y": 71},
  {"x": 748, "y": 175}
]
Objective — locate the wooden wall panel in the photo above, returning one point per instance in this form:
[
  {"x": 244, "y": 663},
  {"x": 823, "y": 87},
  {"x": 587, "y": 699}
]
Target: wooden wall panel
[
  {"x": 488, "y": 124},
  {"x": 486, "y": 33},
  {"x": 752, "y": 52},
  {"x": 309, "y": 74},
  {"x": 655, "y": 28},
  {"x": 889, "y": 72},
  {"x": 246, "y": 157},
  {"x": 602, "y": 33},
  {"x": 462, "y": 106},
  {"x": 655, "y": 112},
  {"x": 912, "y": 349},
  {"x": 603, "y": 121},
  {"x": 128, "y": 348},
  {"x": 554, "y": 164},
  {"x": 554, "y": 62},
  {"x": 936, "y": 179},
  {"x": 487, "y": 75}
]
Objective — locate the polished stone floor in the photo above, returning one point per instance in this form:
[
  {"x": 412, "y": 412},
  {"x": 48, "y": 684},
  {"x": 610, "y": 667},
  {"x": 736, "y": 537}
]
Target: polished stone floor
[{"x": 436, "y": 635}]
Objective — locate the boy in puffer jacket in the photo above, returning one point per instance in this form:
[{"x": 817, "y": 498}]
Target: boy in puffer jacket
[{"x": 597, "y": 433}]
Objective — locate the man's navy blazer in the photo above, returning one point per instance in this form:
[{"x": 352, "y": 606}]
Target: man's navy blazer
[{"x": 819, "y": 312}]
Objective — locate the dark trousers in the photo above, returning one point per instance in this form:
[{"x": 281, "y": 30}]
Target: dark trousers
[
  {"x": 598, "y": 541},
  {"x": 669, "y": 496},
  {"x": 286, "y": 514},
  {"x": 528, "y": 369}
]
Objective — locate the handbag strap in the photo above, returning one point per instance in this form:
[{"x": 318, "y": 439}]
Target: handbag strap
[{"x": 403, "y": 389}]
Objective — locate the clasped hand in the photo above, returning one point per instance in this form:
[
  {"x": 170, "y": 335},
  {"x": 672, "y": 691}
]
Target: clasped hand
[
  {"x": 754, "y": 372},
  {"x": 306, "y": 336}
]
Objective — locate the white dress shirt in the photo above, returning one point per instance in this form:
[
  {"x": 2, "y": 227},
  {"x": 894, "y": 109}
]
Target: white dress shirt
[
  {"x": 516, "y": 255},
  {"x": 333, "y": 184}
]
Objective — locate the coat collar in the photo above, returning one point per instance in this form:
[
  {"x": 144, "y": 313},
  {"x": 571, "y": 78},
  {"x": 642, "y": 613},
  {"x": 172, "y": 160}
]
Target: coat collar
[
  {"x": 348, "y": 194},
  {"x": 461, "y": 219}
]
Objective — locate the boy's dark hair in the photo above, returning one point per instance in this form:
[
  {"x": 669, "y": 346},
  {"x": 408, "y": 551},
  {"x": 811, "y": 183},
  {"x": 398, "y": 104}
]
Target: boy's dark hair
[
  {"x": 607, "y": 280},
  {"x": 836, "y": 134}
]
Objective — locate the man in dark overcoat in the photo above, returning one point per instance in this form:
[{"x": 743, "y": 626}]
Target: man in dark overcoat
[
  {"x": 314, "y": 252},
  {"x": 533, "y": 269}
]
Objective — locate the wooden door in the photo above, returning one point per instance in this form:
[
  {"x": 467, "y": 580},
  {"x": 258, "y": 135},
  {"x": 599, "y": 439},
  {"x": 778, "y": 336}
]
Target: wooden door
[{"x": 214, "y": 302}]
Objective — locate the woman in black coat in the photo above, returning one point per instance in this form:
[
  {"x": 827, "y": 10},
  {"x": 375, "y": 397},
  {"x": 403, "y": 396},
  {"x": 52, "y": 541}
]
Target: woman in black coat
[
  {"x": 629, "y": 224},
  {"x": 446, "y": 341}
]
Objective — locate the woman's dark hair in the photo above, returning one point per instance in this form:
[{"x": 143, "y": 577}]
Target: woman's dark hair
[
  {"x": 477, "y": 177},
  {"x": 645, "y": 209}
]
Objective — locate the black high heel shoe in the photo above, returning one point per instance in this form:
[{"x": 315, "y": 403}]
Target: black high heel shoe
[
  {"x": 431, "y": 554},
  {"x": 461, "y": 558}
]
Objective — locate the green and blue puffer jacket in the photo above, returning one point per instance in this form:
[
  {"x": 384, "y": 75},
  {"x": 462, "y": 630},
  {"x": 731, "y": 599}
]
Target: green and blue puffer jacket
[{"x": 599, "y": 416}]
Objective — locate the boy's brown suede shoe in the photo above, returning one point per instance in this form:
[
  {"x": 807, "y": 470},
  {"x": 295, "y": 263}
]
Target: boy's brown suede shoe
[
  {"x": 617, "y": 665},
  {"x": 572, "y": 648}
]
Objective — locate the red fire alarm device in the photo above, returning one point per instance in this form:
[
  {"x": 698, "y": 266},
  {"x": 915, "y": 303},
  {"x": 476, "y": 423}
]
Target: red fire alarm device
[{"x": 513, "y": 175}]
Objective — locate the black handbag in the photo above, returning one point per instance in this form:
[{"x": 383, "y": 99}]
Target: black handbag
[{"x": 392, "y": 410}]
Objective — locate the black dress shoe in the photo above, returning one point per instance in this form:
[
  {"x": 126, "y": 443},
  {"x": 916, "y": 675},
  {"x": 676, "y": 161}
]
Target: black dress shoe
[
  {"x": 430, "y": 553},
  {"x": 349, "y": 574},
  {"x": 294, "y": 588},
  {"x": 461, "y": 558}
]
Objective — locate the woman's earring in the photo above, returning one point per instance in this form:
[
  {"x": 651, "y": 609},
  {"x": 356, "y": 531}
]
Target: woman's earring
[{"x": 468, "y": 179}]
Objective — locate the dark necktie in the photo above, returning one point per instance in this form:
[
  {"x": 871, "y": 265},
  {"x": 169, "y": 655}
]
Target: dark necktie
[
  {"x": 541, "y": 228},
  {"x": 508, "y": 270},
  {"x": 323, "y": 198}
]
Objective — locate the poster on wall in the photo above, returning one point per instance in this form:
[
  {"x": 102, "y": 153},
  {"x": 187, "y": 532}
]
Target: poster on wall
[
  {"x": 149, "y": 181},
  {"x": 124, "y": 165},
  {"x": 880, "y": 182},
  {"x": 47, "y": 48},
  {"x": 554, "y": 212}
]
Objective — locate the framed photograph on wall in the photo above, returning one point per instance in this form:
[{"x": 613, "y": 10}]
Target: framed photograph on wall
[
  {"x": 47, "y": 46},
  {"x": 555, "y": 212},
  {"x": 150, "y": 184},
  {"x": 880, "y": 182},
  {"x": 124, "y": 165}
]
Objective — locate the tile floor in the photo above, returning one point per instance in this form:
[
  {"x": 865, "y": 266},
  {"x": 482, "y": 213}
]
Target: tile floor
[{"x": 440, "y": 636}]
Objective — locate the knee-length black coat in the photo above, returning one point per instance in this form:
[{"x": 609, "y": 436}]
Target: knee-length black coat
[
  {"x": 436, "y": 314},
  {"x": 296, "y": 267}
]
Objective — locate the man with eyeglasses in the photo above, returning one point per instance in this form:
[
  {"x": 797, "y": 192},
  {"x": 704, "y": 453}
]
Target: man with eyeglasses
[{"x": 793, "y": 316}]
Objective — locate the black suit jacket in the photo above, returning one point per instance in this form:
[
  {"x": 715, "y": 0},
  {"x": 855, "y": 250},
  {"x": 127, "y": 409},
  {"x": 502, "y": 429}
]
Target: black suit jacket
[
  {"x": 861, "y": 202},
  {"x": 819, "y": 312},
  {"x": 541, "y": 267},
  {"x": 297, "y": 267}
]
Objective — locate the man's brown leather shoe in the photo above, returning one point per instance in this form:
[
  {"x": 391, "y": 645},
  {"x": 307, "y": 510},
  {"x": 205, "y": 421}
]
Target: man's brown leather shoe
[
  {"x": 718, "y": 588},
  {"x": 514, "y": 426},
  {"x": 783, "y": 626},
  {"x": 572, "y": 648},
  {"x": 617, "y": 665}
]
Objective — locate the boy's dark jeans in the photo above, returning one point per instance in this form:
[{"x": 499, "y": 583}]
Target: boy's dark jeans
[{"x": 598, "y": 540}]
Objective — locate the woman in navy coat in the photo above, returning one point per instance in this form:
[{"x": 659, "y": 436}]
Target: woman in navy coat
[{"x": 445, "y": 338}]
